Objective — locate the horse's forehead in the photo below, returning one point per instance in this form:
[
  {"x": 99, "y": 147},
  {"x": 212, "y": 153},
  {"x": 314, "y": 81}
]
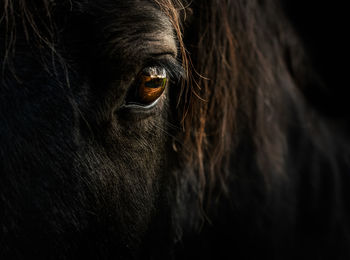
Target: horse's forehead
[{"x": 133, "y": 27}]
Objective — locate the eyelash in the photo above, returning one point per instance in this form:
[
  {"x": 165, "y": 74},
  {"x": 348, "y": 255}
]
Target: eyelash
[{"x": 173, "y": 69}]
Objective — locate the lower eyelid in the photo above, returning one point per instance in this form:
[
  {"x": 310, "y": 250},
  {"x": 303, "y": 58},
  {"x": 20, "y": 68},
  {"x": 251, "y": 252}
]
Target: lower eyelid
[
  {"x": 143, "y": 107},
  {"x": 136, "y": 107},
  {"x": 135, "y": 112}
]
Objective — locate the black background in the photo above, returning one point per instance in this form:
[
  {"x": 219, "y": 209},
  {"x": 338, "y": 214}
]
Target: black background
[{"x": 324, "y": 28}]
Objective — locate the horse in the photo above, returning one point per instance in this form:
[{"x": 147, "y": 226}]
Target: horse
[{"x": 169, "y": 129}]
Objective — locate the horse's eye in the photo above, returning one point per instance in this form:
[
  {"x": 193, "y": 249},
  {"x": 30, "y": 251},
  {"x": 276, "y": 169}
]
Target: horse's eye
[{"x": 149, "y": 86}]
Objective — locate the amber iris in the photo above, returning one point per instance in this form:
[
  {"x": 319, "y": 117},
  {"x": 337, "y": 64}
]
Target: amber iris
[{"x": 151, "y": 88}]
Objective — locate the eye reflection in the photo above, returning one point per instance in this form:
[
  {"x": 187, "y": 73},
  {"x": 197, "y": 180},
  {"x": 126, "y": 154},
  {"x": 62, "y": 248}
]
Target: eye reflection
[
  {"x": 151, "y": 89},
  {"x": 150, "y": 85}
]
